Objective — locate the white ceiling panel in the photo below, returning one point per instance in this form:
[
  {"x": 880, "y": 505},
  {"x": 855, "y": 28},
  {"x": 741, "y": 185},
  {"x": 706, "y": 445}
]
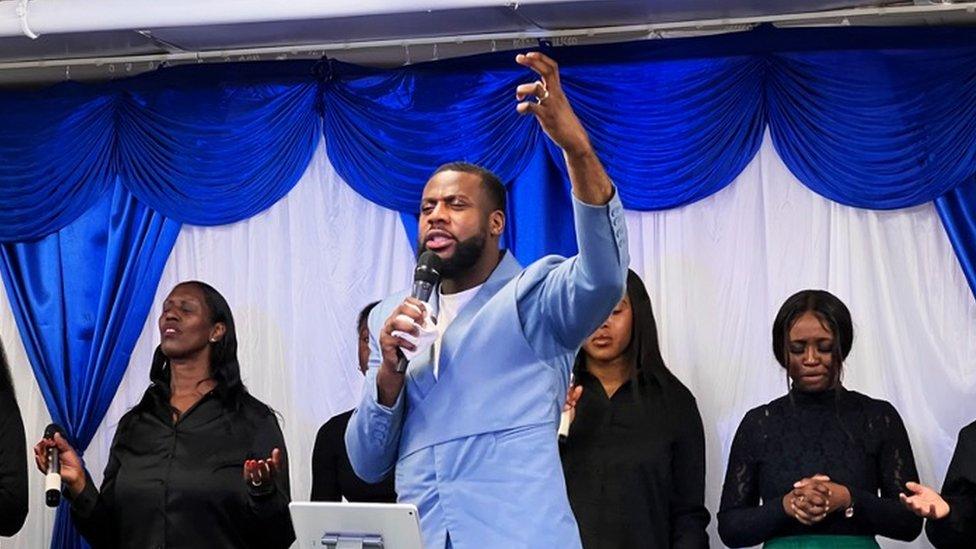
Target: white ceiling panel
[
  {"x": 345, "y": 29},
  {"x": 598, "y": 13}
]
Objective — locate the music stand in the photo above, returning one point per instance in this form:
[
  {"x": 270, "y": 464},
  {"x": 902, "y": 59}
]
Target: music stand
[{"x": 334, "y": 525}]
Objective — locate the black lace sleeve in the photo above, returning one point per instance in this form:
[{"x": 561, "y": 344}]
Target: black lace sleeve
[
  {"x": 743, "y": 519},
  {"x": 882, "y": 511}
]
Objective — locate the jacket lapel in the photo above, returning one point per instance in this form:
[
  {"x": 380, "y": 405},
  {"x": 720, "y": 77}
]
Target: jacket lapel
[{"x": 506, "y": 270}]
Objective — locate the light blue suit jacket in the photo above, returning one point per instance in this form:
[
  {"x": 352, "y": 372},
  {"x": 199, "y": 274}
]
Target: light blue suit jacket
[{"x": 476, "y": 449}]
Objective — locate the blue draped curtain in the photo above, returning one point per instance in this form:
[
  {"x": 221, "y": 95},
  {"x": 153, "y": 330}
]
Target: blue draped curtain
[
  {"x": 957, "y": 209},
  {"x": 869, "y": 117},
  {"x": 872, "y": 118},
  {"x": 80, "y": 297}
]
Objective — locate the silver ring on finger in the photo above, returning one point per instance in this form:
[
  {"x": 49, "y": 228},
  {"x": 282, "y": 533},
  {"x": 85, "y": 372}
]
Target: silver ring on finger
[{"x": 545, "y": 96}]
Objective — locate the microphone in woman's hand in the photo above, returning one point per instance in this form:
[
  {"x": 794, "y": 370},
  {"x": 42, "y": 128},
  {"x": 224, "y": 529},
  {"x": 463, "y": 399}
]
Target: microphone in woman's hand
[{"x": 52, "y": 481}]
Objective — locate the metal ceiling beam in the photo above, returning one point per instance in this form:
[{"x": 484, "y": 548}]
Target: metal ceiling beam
[{"x": 651, "y": 30}]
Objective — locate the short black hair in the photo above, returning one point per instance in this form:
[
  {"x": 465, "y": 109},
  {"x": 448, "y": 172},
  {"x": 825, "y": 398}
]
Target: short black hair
[
  {"x": 493, "y": 186},
  {"x": 363, "y": 318}
]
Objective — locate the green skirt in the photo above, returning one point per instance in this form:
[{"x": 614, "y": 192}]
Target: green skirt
[{"x": 822, "y": 542}]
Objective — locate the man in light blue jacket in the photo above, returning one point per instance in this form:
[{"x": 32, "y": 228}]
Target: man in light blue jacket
[{"x": 471, "y": 426}]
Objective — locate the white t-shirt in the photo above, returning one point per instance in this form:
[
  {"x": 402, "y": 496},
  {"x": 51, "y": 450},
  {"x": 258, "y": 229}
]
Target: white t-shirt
[{"x": 448, "y": 306}]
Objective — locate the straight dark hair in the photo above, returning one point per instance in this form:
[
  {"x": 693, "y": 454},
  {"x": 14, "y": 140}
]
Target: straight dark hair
[
  {"x": 224, "y": 365},
  {"x": 644, "y": 349},
  {"x": 833, "y": 316}
]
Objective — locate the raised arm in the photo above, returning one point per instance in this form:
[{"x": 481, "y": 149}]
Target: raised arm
[
  {"x": 547, "y": 102},
  {"x": 560, "y": 309}
]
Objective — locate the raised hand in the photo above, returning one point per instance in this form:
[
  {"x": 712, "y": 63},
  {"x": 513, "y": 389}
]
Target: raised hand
[
  {"x": 261, "y": 471},
  {"x": 924, "y": 501},
  {"x": 72, "y": 470},
  {"x": 545, "y": 99}
]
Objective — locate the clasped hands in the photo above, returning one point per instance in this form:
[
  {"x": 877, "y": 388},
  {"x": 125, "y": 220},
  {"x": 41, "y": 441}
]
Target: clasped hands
[{"x": 813, "y": 498}]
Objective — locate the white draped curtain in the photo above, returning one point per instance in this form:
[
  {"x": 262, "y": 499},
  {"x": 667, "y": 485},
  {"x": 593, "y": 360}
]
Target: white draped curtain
[{"x": 717, "y": 271}]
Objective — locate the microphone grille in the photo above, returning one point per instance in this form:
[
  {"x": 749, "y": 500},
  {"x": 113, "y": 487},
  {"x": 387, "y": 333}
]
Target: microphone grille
[{"x": 428, "y": 268}]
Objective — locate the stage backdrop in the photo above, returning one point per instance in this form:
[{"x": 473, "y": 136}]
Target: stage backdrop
[
  {"x": 96, "y": 181},
  {"x": 717, "y": 270}
]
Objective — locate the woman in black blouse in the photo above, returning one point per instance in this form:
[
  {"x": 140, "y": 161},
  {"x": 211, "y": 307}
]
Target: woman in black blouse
[
  {"x": 13, "y": 456},
  {"x": 332, "y": 474},
  {"x": 822, "y": 466},
  {"x": 198, "y": 462},
  {"x": 634, "y": 457},
  {"x": 951, "y": 515}
]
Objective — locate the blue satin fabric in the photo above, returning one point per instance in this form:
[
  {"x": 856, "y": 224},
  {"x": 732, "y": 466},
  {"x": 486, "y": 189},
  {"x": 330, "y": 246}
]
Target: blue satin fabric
[
  {"x": 204, "y": 145},
  {"x": 865, "y": 117},
  {"x": 876, "y": 129},
  {"x": 873, "y": 118},
  {"x": 957, "y": 208},
  {"x": 55, "y": 158},
  {"x": 80, "y": 297},
  {"x": 217, "y": 146}
]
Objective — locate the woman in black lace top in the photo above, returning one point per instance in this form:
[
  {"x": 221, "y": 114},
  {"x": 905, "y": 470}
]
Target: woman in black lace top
[{"x": 822, "y": 466}]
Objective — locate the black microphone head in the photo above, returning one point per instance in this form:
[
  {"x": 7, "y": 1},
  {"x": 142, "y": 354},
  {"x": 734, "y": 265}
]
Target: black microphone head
[
  {"x": 428, "y": 268},
  {"x": 54, "y": 428}
]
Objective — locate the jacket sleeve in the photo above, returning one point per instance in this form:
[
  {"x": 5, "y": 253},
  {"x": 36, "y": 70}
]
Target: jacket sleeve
[
  {"x": 561, "y": 307},
  {"x": 373, "y": 433}
]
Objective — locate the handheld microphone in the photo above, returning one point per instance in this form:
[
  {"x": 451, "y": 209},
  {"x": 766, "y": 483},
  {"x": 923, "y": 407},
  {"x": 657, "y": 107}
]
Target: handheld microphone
[
  {"x": 564, "y": 422},
  {"x": 52, "y": 481},
  {"x": 425, "y": 277}
]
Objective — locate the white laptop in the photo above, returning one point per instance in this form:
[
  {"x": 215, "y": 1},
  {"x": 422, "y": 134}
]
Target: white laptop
[{"x": 328, "y": 525}]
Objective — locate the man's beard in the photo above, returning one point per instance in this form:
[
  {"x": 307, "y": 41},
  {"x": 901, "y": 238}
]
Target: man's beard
[{"x": 466, "y": 255}]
